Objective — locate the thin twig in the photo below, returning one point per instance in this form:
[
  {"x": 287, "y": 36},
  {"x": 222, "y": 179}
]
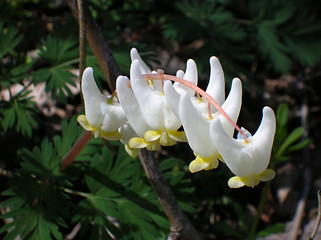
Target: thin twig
[
  {"x": 317, "y": 224},
  {"x": 75, "y": 150},
  {"x": 82, "y": 38},
  {"x": 73, "y": 232},
  {"x": 98, "y": 45},
  {"x": 180, "y": 224}
]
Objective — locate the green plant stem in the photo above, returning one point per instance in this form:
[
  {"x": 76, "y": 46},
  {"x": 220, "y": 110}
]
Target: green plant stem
[
  {"x": 259, "y": 211},
  {"x": 73, "y": 192}
]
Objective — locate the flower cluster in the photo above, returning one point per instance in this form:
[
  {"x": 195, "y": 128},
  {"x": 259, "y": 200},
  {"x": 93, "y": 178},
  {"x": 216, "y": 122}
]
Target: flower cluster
[{"x": 148, "y": 111}]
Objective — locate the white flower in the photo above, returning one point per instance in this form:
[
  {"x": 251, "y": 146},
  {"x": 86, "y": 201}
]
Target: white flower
[
  {"x": 197, "y": 127},
  {"x": 247, "y": 159},
  {"x": 147, "y": 110},
  {"x": 103, "y": 116}
]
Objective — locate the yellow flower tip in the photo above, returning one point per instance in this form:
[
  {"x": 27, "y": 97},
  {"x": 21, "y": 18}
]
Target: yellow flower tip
[
  {"x": 178, "y": 136},
  {"x": 137, "y": 142},
  {"x": 82, "y": 120},
  {"x": 235, "y": 182},
  {"x": 153, "y": 146},
  {"x": 201, "y": 163},
  {"x": 115, "y": 135},
  {"x": 150, "y": 136},
  {"x": 267, "y": 175},
  {"x": 166, "y": 140},
  {"x": 251, "y": 181},
  {"x": 131, "y": 151}
]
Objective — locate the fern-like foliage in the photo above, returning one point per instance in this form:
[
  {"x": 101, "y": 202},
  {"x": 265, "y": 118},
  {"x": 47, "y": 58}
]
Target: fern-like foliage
[
  {"x": 278, "y": 33},
  {"x": 9, "y": 39},
  {"x": 105, "y": 191},
  {"x": 59, "y": 54}
]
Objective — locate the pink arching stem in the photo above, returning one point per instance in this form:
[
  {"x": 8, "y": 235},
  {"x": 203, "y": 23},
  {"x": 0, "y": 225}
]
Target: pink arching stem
[{"x": 161, "y": 76}]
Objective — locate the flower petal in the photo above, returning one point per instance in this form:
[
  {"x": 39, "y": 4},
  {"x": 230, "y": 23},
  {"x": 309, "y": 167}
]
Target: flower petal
[
  {"x": 150, "y": 101},
  {"x": 237, "y": 155},
  {"x": 172, "y": 97},
  {"x": 137, "y": 142},
  {"x": 93, "y": 98},
  {"x": 201, "y": 163},
  {"x": 235, "y": 182},
  {"x": 151, "y": 136},
  {"x": 134, "y": 55},
  {"x": 263, "y": 138},
  {"x": 114, "y": 117},
  {"x": 190, "y": 75},
  {"x": 196, "y": 128},
  {"x": 197, "y": 165},
  {"x": 232, "y": 106},
  {"x": 267, "y": 175},
  {"x": 130, "y": 106},
  {"x": 82, "y": 120},
  {"x": 216, "y": 85}
]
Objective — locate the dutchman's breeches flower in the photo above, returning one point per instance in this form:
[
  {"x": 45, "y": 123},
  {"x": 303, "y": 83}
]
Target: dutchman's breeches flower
[
  {"x": 103, "y": 116},
  {"x": 247, "y": 159},
  {"x": 197, "y": 127},
  {"x": 147, "y": 110}
]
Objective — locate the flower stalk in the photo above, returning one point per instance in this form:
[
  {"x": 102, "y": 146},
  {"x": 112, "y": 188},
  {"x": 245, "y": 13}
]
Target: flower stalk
[{"x": 161, "y": 76}]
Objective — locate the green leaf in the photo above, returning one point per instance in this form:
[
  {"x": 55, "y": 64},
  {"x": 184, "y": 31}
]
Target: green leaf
[
  {"x": 282, "y": 113},
  {"x": 18, "y": 113},
  {"x": 57, "y": 50},
  {"x": 58, "y": 80},
  {"x": 271, "y": 47},
  {"x": 9, "y": 39},
  {"x": 275, "y": 228},
  {"x": 299, "y": 145},
  {"x": 42, "y": 162},
  {"x": 70, "y": 133},
  {"x": 33, "y": 223},
  {"x": 293, "y": 136},
  {"x": 118, "y": 191}
]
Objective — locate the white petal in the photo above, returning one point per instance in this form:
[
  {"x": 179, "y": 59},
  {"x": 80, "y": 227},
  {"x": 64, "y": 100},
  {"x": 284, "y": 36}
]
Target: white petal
[
  {"x": 114, "y": 117},
  {"x": 216, "y": 85},
  {"x": 93, "y": 98},
  {"x": 190, "y": 75},
  {"x": 130, "y": 106},
  {"x": 238, "y": 156},
  {"x": 196, "y": 128},
  {"x": 172, "y": 97},
  {"x": 150, "y": 101},
  {"x": 134, "y": 55},
  {"x": 171, "y": 121},
  {"x": 127, "y": 133},
  {"x": 232, "y": 106},
  {"x": 263, "y": 138},
  {"x": 180, "y": 74}
]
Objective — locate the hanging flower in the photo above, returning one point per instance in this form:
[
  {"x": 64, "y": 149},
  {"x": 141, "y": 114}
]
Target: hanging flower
[
  {"x": 147, "y": 111},
  {"x": 103, "y": 115},
  {"x": 247, "y": 159},
  {"x": 197, "y": 127}
]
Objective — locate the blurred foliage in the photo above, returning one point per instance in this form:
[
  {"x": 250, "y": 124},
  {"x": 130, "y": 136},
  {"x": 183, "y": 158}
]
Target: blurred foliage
[
  {"x": 105, "y": 190},
  {"x": 280, "y": 34}
]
